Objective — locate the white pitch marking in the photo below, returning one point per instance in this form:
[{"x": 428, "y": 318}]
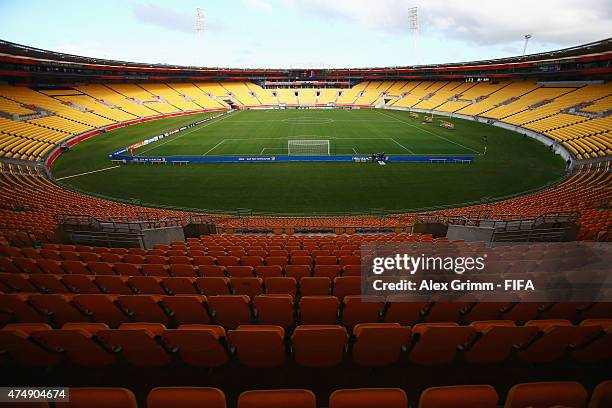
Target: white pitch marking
[
  {"x": 401, "y": 145},
  {"x": 355, "y": 150},
  {"x": 170, "y": 138},
  {"x": 214, "y": 147},
  {"x": 87, "y": 172},
  {"x": 431, "y": 133},
  {"x": 271, "y": 148}
]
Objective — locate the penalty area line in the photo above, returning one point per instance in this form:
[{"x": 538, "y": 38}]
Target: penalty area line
[
  {"x": 427, "y": 131},
  {"x": 87, "y": 172},
  {"x": 282, "y": 149},
  {"x": 401, "y": 145},
  {"x": 214, "y": 147}
]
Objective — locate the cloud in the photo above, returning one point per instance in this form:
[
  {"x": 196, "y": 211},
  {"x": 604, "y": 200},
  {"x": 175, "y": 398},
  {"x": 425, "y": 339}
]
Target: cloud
[
  {"x": 91, "y": 49},
  {"x": 171, "y": 19},
  {"x": 482, "y": 22}
]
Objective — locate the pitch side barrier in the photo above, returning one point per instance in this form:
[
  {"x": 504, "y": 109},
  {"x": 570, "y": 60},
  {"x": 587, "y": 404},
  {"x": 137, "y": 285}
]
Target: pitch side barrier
[{"x": 119, "y": 155}]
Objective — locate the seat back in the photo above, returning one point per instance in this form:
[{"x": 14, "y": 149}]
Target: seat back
[
  {"x": 231, "y": 311},
  {"x": 214, "y": 285},
  {"x": 187, "y": 309},
  {"x": 318, "y": 310},
  {"x": 274, "y": 309},
  {"x": 379, "y": 344},
  {"x": 461, "y": 396},
  {"x": 319, "y": 346},
  {"x": 437, "y": 342},
  {"x": 546, "y": 394},
  {"x": 186, "y": 397},
  {"x": 137, "y": 344},
  {"x": 497, "y": 341},
  {"x": 277, "y": 399},
  {"x": 259, "y": 346},
  {"x": 315, "y": 286},
  {"x": 369, "y": 398},
  {"x": 280, "y": 286},
  {"x": 199, "y": 345},
  {"x": 77, "y": 344},
  {"x": 361, "y": 309},
  {"x": 602, "y": 395},
  {"x": 99, "y": 398}
]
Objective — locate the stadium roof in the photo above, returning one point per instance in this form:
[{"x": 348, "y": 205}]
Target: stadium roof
[{"x": 595, "y": 49}]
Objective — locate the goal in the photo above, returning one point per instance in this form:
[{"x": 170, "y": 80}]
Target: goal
[{"x": 308, "y": 147}]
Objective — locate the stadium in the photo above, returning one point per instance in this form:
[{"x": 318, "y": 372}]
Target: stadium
[{"x": 198, "y": 235}]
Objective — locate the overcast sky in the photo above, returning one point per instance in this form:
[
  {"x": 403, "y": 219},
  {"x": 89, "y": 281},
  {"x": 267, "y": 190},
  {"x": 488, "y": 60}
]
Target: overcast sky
[{"x": 298, "y": 33}]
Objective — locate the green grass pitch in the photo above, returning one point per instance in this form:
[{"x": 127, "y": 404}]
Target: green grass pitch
[
  {"x": 512, "y": 163},
  {"x": 349, "y": 132}
]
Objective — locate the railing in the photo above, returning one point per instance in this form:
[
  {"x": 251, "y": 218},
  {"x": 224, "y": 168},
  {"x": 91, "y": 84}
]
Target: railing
[
  {"x": 108, "y": 239},
  {"x": 501, "y": 222},
  {"x": 118, "y": 223},
  {"x": 531, "y": 235},
  {"x": 77, "y": 220}
]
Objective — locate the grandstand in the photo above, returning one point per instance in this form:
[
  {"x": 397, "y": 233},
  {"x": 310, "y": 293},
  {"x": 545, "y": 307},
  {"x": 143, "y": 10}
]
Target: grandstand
[
  {"x": 255, "y": 310},
  {"x": 537, "y": 107}
]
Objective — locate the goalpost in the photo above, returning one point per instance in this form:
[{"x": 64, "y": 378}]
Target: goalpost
[{"x": 308, "y": 148}]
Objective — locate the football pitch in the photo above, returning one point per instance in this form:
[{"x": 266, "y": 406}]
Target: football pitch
[
  {"x": 349, "y": 132},
  {"x": 512, "y": 164}
]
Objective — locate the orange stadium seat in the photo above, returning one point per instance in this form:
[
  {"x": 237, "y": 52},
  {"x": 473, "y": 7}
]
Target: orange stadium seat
[
  {"x": 315, "y": 286},
  {"x": 280, "y": 286},
  {"x": 602, "y": 395},
  {"x": 259, "y": 346},
  {"x": 277, "y": 399},
  {"x": 231, "y": 311},
  {"x": 318, "y": 346},
  {"x": 369, "y": 398},
  {"x": 274, "y": 310},
  {"x": 460, "y": 396},
  {"x": 137, "y": 343},
  {"x": 547, "y": 394},
  {"x": 185, "y": 397},
  {"x": 198, "y": 345},
  {"x": 379, "y": 344},
  {"x": 100, "y": 398},
  {"x": 78, "y": 344}
]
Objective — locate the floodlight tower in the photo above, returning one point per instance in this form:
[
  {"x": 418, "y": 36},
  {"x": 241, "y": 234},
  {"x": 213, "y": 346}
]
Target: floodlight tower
[
  {"x": 413, "y": 22},
  {"x": 527, "y": 37},
  {"x": 199, "y": 29}
]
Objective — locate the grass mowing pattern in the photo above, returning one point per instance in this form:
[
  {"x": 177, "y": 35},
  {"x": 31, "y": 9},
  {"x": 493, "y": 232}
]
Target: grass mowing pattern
[{"x": 513, "y": 163}]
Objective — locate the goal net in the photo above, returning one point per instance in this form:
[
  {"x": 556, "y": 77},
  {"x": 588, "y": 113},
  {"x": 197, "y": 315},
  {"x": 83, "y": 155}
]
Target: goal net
[{"x": 308, "y": 148}]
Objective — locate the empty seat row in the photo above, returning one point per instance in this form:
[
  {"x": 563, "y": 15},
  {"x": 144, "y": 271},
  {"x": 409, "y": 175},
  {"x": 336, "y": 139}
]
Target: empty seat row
[
  {"x": 201, "y": 266},
  {"x": 231, "y": 311},
  {"x": 313, "y": 346},
  {"x": 186, "y": 249},
  {"x": 71, "y": 252},
  {"x": 153, "y": 256},
  {"x": 536, "y": 395},
  {"x": 178, "y": 285}
]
